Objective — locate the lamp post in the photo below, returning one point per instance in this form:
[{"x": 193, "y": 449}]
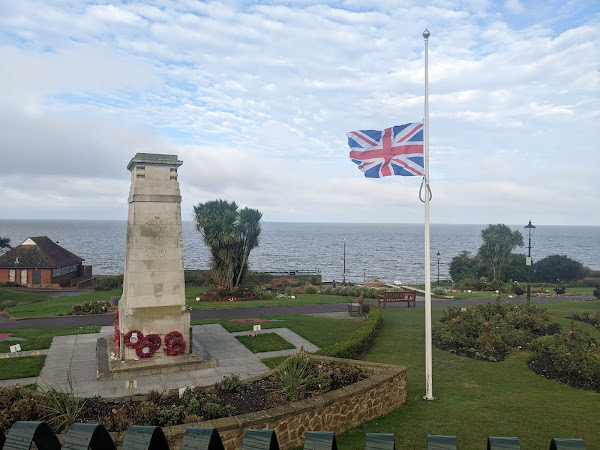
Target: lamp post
[
  {"x": 344, "y": 274},
  {"x": 364, "y": 275},
  {"x": 438, "y": 257},
  {"x": 529, "y": 229}
]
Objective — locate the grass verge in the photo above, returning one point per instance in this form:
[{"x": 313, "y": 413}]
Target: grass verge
[
  {"x": 58, "y": 306},
  {"x": 23, "y": 367},
  {"x": 41, "y": 338},
  {"x": 264, "y": 342}
]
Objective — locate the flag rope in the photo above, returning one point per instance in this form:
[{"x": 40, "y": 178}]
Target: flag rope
[{"x": 423, "y": 182}]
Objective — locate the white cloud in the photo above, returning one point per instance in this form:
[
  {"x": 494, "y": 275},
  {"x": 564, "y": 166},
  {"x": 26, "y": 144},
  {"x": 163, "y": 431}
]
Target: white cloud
[{"x": 256, "y": 98}]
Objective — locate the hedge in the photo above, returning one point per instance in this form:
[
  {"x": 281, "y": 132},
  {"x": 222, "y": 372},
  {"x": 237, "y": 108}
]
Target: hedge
[{"x": 359, "y": 341}]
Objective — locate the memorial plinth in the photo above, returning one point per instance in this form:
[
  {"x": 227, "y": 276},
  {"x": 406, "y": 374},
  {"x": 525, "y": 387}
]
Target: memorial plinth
[{"x": 153, "y": 300}]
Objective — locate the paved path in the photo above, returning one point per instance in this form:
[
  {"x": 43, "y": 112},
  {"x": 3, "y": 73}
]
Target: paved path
[{"x": 77, "y": 354}]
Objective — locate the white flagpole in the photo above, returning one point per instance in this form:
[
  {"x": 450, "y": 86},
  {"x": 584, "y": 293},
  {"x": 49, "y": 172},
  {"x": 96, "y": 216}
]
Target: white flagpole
[{"x": 428, "y": 356}]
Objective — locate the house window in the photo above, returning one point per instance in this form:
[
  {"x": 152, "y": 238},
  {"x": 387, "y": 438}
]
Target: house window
[
  {"x": 73, "y": 268},
  {"x": 12, "y": 275},
  {"x": 56, "y": 272},
  {"x": 23, "y": 276}
]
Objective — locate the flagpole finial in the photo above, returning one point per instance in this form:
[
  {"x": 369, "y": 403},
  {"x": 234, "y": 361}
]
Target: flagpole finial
[{"x": 426, "y": 33}]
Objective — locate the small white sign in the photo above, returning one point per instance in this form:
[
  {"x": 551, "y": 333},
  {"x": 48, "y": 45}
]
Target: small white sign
[
  {"x": 133, "y": 338},
  {"x": 256, "y": 327},
  {"x": 15, "y": 348},
  {"x": 528, "y": 260}
]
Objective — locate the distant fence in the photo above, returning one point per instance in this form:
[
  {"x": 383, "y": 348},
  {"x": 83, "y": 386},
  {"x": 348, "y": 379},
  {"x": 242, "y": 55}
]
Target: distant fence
[{"x": 84, "y": 436}]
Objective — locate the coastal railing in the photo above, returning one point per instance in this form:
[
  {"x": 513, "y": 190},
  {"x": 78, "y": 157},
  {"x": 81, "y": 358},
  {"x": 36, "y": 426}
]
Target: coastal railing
[{"x": 83, "y": 436}]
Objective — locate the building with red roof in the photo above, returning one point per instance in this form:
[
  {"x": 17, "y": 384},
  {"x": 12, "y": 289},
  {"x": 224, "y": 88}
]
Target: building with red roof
[{"x": 40, "y": 262}]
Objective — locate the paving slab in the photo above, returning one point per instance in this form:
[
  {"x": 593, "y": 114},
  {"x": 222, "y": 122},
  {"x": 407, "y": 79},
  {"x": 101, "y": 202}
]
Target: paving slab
[{"x": 76, "y": 354}]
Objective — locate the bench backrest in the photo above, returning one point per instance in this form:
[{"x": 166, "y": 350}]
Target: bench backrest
[{"x": 399, "y": 295}]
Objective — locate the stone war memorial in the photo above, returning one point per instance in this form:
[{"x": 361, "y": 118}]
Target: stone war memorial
[{"x": 153, "y": 320}]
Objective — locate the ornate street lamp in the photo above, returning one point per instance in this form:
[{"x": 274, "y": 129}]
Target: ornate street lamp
[
  {"x": 529, "y": 229},
  {"x": 438, "y": 257}
]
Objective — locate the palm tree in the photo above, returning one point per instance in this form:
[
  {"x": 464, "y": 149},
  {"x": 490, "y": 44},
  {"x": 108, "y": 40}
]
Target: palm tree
[
  {"x": 498, "y": 243},
  {"x": 230, "y": 234}
]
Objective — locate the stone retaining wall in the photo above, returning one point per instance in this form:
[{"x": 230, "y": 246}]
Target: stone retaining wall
[{"x": 341, "y": 410}]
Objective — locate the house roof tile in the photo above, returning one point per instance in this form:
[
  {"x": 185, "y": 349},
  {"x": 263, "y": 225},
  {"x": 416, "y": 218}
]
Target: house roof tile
[{"x": 38, "y": 252}]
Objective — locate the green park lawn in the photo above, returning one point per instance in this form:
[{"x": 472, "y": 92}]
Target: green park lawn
[
  {"x": 264, "y": 342},
  {"x": 52, "y": 307},
  {"x": 41, "y": 338},
  {"x": 23, "y": 367},
  {"x": 476, "y": 399}
]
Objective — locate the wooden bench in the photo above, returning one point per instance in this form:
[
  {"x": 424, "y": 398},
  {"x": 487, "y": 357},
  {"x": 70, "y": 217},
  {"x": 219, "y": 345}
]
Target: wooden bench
[
  {"x": 355, "y": 305},
  {"x": 397, "y": 296}
]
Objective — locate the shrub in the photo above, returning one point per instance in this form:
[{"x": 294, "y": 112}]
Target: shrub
[
  {"x": 490, "y": 331},
  {"x": 108, "y": 282},
  {"x": 517, "y": 288},
  {"x": 560, "y": 287},
  {"x": 359, "y": 341},
  {"x": 232, "y": 383},
  {"x": 7, "y": 304},
  {"x": 463, "y": 266},
  {"x": 573, "y": 359},
  {"x": 9, "y": 284},
  {"x": 552, "y": 267},
  {"x": 86, "y": 308},
  {"x": 291, "y": 377},
  {"x": 310, "y": 290},
  {"x": 256, "y": 278},
  {"x": 439, "y": 291},
  {"x": 597, "y": 292},
  {"x": 587, "y": 282},
  {"x": 314, "y": 280},
  {"x": 195, "y": 278}
]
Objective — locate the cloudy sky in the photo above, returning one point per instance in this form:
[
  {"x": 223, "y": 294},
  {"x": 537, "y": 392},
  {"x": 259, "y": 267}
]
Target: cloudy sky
[{"x": 256, "y": 99}]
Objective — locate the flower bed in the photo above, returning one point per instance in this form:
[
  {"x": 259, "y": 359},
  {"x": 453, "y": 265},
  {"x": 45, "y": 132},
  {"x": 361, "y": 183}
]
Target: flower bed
[
  {"x": 236, "y": 294},
  {"x": 572, "y": 359},
  {"x": 86, "y": 308},
  {"x": 490, "y": 331}
]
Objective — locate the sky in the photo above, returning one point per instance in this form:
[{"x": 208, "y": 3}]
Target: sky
[{"x": 256, "y": 98}]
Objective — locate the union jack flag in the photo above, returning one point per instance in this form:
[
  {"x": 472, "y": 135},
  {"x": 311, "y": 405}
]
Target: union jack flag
[{"x": 394, "y": 151}]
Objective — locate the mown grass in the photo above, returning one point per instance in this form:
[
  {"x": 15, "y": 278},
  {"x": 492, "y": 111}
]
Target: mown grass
[
  {"x": 264, "y": 342},
  {"x": 20, "y": 297},
  {"x": 41, "y": 338},
  {"x": 321, "y": 331},
  {"x": 23, "y": 367},
  {"x": 476, "y": 399},
  {"x": 52, "y": 307},
  {"x": 302, "y": 299}
]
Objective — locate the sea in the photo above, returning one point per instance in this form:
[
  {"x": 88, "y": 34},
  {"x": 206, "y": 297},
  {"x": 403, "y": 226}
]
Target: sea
[{"x": 353, "y": 252}]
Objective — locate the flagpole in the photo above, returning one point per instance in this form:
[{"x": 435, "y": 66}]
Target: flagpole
[{"x": 428, "y": 352}]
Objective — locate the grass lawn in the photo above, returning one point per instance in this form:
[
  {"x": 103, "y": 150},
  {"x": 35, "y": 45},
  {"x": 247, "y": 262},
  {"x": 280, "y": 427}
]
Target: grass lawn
[
  {"x": 41, "y": 338},
  {"x": 23, "y": 367},
  {"x": 321, "y": 331},
  {"x": 20, "y": 297},
  {"x": 302, "y": 299},
  {"x": 476, "y": 399},
  {"x": 264, "y": 342},
  {"x": 59, "y": 306}
]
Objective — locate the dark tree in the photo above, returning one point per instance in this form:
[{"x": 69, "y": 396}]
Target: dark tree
[
  {"x": 498, "y": 243},
  {"x": 230, "y": 234},
  {"x": 552, "y": 267}
]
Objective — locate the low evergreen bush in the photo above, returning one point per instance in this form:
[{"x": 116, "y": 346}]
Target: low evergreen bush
[
  {"x": 108, "y": 282},
  {"x": 359, "y": 341}
]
